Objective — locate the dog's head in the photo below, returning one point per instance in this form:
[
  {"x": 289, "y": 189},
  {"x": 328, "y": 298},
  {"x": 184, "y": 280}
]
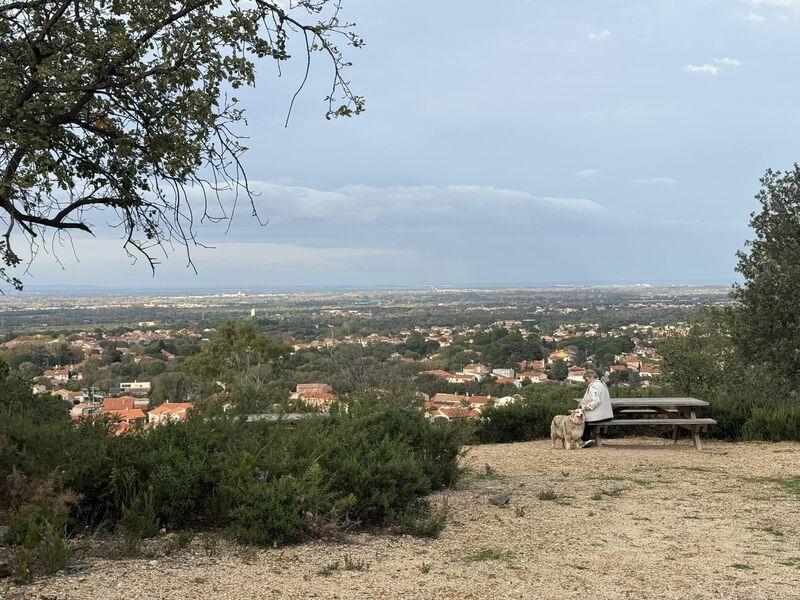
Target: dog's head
[{"x": 576, "y": 416}]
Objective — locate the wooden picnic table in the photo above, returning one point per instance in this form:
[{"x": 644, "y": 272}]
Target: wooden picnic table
[{"x": 678, "y": 413}]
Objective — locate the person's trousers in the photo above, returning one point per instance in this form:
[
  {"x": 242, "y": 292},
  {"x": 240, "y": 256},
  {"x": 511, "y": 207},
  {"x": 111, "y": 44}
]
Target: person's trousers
[{"x": 587, "y": 429}]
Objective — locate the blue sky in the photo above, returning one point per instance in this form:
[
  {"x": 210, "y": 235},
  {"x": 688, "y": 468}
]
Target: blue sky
[{"x": 521, "y": 142}]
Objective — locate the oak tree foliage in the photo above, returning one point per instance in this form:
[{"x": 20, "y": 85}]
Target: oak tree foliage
[
  {"x": 111, "y": 110},
  {"x": 238, "y": 356},
  {"x": 766, "y": 327}
]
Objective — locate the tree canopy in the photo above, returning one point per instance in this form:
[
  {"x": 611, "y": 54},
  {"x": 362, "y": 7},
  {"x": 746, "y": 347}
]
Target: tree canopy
[
  {"x": 767, "y": 324},
  {"x": 238, "y": 355},
  {"x": 120, "y": 106}
]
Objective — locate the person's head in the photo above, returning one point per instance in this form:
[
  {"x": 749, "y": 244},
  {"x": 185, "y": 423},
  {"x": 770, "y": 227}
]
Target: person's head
[{"x": 589, "y": 376}]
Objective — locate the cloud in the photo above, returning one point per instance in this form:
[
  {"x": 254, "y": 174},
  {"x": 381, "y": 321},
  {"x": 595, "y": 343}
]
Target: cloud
[
  {"x": 754, "y": 18},
  {"x": 791, "y": 5},
  {"x": 587, "y": 173},
  {"x": 600, "y": 36},
  {"x": 727, "y": 62},
  {"x": 372, "y": 204},
  {"x": 704, "y": 69},
  {"x": 714, "y": 67},
  {"x": 654, "y": 181}
]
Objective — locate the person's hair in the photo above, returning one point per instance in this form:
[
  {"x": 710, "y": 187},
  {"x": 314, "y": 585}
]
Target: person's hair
[{"x": 589, "y": 373}]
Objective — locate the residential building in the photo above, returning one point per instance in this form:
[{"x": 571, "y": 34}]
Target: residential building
[
  {"x": 476, "y": 369},
  {"x": 117, "y": 404},
  {"x": 323, "y": 388},
  {"x": 169, "y": 411},
  {"x": 508, "y": 373},
  {"x": 135, "y": 388},
  {"x": 575, "y": 374}
]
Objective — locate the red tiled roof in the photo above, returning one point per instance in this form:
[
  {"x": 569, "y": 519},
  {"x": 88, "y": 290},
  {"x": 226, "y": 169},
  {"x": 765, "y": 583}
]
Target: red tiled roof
[
  {"x": 443, "y": 398},
  {"x": 313, "y": 387},
  {"x": 130, "y": 414},
  {"x": 121, "y": 403},
  {"x": 172, "y": 408},
  {"x": 530, "y": 374},
  {"x": 438, "y": 373},
  {"x": 457, "y": 412}
]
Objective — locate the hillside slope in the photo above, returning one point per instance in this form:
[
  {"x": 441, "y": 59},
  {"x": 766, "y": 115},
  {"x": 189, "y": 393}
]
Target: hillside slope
[{"x": 636, "y": 519}]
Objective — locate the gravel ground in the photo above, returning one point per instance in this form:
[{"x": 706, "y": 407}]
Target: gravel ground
[{"x": 639, "y": 518}]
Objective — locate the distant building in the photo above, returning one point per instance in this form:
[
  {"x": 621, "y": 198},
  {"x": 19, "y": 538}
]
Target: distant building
[
  {"x": 169, "y": 411},
  {"x": 62, "y": 374},
  {"x": 321, "y": 400},
  {"x": 135, "y": 388},
  {"x": 476, "y": 369},
  {"x": 442, "y": 400},
  {"x": 533, "y": 376},
  {"x": 313, "y": 387},
  {"x": 509, "y": 373},
  {"x": 84, "y": 409},
  {"x": 438, "y": 373},
  {"x": 117, "y": 404},
  {"x": 506, "y": 400},
  {"x": 575, "y": 374},
  {"x": 650, "y": 370}
]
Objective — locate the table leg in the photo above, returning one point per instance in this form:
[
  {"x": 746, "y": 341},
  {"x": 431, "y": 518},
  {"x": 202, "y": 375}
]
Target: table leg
[
  {"x": 696, "y": 439},
  {"x": 696, "y": 433}
]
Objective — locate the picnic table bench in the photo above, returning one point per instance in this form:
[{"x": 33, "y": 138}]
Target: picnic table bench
[{"x": 678, "y": 413}]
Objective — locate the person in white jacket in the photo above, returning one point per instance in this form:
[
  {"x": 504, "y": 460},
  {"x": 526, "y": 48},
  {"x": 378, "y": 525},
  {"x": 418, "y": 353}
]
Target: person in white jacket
[{"x": 596, "y": 405}]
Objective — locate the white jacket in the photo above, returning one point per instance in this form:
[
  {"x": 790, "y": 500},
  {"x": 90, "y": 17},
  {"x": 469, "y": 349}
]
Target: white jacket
[{"x": 596, "y": 403}]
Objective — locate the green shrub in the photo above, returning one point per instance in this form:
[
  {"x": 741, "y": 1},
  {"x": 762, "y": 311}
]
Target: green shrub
[
  {"x": 269, "y": 513},
  {"x": 773, "y": 424},
  {"x": 267, "y": 483},
  {"x": 421, "y": 520},
  {"x": 528, "y": 419},
  {"x": 37, "y": 510},
  {"x": 139, "y": 519},
  {"x": 39, "y": 546}
]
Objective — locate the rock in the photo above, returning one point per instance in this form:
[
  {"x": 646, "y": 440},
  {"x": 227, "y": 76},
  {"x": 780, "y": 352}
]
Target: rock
[
  {"x": 289, "y": 555},
  {"x": 3, "y": 532},
  {"x": 199, "y": 579},
  {"x": 499, "y": 500},
  {"x": 76, "y": 567},
  {"x": 5, "y": 569}
]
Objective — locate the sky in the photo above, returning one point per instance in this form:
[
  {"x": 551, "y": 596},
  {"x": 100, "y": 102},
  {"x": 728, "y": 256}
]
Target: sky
[{"x": 511, "y": 143}]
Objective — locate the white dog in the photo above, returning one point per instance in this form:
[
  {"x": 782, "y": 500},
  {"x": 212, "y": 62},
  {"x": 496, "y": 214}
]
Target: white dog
[{"x": 568, "y": 428}]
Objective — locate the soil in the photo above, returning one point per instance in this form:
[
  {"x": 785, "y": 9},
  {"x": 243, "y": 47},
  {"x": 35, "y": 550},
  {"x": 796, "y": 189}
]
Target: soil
[{"x": 638, "y": 518}]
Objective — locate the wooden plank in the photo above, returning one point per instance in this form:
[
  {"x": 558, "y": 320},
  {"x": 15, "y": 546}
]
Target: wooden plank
[
  {"x": 656, "y": 421},
  {"x": 657, "y": 402},
  {"x": 644, "y": 411}
]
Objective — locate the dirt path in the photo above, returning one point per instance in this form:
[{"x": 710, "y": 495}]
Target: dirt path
[{"x": 635, "y": 519}]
